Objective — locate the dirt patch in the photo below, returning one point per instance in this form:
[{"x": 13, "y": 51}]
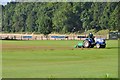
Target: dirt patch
[
  {"x": 31, "y": 47},
  {"x": 45, "y": 48}
]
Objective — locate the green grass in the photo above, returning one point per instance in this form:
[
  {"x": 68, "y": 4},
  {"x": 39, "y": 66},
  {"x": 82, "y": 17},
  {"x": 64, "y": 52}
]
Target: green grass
[{"x": 58, "y": 59}]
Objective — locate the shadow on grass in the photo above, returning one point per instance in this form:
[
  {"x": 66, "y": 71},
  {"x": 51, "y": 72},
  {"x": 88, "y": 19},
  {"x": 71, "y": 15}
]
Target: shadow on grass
[{"x": 112, "y": 47}]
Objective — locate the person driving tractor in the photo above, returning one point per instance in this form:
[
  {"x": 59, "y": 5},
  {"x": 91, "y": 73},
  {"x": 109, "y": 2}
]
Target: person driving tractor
[{"x": 91, "y": 36}]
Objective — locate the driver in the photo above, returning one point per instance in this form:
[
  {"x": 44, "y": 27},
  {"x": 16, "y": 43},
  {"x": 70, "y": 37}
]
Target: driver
[{"x": 91, "y": 36}]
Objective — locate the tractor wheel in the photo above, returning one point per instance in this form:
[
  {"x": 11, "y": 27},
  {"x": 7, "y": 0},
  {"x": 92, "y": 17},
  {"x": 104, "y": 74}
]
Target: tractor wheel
[
  {"x": 98, "y": 45},
  {"x": 86, "y": 44}
]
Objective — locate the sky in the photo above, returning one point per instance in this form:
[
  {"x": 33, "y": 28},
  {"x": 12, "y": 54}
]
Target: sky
[{"x": 4, "y": 2}]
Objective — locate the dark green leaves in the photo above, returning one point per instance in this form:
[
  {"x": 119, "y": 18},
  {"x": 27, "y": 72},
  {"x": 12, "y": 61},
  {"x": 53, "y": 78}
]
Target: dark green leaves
[{"x": 61, "y": 17}]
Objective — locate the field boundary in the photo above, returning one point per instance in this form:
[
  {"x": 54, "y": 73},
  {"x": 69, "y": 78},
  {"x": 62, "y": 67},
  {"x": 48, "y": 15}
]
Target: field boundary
[{"x": 48, "y": 37}]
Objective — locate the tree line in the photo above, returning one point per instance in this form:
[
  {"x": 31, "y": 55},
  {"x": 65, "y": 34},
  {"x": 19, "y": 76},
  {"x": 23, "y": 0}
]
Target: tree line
[{"x": 59, "y": 17}]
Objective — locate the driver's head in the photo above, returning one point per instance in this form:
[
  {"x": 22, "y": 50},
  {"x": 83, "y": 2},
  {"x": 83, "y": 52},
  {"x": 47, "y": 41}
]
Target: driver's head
[{"x": 90, "y": 34}]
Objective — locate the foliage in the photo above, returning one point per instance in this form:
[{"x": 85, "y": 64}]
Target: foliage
[{"x": 60, "y": 17}]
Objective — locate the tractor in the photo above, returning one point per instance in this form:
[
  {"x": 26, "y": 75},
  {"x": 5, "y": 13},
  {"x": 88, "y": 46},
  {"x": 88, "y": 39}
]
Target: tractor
[{"x": 90, "y": 43}]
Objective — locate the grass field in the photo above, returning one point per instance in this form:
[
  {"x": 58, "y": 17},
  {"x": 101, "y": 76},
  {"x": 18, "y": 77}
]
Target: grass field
[{"x": 58, "y": 59}]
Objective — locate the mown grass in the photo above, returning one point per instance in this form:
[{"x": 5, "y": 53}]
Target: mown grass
[{"x": 43, "y": 59}]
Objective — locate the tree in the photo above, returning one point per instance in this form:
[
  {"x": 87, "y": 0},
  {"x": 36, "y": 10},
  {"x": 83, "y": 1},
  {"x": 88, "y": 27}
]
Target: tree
[
  {"x": 114, "y": 19},
  {"x": 59, "y": 17},
  {"x": 44, "y": 24}
]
